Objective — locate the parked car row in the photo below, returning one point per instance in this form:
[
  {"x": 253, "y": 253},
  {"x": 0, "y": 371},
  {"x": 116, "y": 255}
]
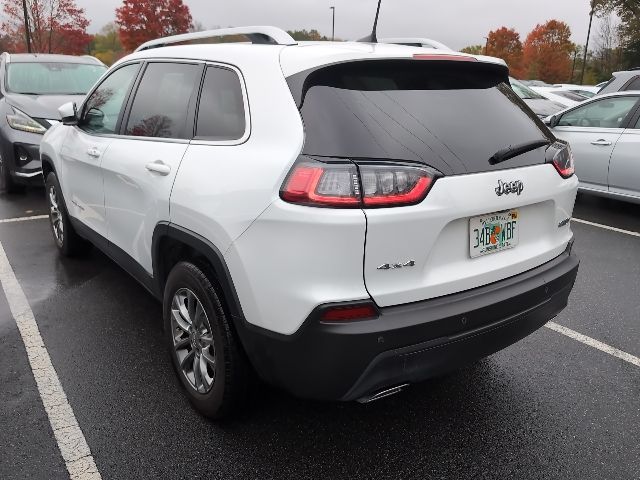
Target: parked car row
[{"x": 32, "y": 88}]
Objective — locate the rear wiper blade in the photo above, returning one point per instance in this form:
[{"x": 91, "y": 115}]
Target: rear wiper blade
[{"x": 515, "y": 150}]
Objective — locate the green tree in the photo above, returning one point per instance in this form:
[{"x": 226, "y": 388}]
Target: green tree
[
  {"x": 106, "y": 44},
  {"x": 629, "y": 31},
  {"x": 473, "y": 49},
  {"x": 307, "y": 35}
]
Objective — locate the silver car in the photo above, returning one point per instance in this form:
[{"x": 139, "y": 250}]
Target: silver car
[
  {"x": 604, "y": 133},
  {"x": 622, "y": 81}
]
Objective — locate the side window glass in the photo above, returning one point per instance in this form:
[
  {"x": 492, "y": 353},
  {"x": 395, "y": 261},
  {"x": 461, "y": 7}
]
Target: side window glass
[
  {"x": 605, "y": 113},
  {"x": 638, "y": 124},
  {"x": 161, "y": 103},
  {"x": 102, "y": 108},
  {"x": 634, "y": 85},
  {"x": 221, "y": 111}
]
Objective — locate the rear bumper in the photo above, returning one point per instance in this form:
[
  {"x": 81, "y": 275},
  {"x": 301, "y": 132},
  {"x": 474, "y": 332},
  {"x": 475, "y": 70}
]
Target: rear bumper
[{"x": 410, "y": 343}]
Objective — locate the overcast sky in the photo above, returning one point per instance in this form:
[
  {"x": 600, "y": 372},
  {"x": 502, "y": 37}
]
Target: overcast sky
[{"x": 457, "y": 23}]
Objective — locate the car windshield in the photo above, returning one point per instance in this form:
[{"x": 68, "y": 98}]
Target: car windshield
[
  {"x": 52, "y": 78},
  {"x": 584, "y": 93},
  {"x": 523, "y": 91}
]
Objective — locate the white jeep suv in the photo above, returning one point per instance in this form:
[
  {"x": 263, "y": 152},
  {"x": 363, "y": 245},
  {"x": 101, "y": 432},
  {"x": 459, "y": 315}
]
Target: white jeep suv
[{"x": 343, "y": 219}]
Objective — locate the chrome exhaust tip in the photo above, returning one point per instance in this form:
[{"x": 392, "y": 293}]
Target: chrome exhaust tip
[{"x": 387, "y": 392}]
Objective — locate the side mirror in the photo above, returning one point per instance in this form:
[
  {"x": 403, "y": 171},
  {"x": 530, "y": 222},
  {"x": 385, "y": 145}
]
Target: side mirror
[
  {"x": 68, "y": 114},
  {"x": 552, "y": 121}
]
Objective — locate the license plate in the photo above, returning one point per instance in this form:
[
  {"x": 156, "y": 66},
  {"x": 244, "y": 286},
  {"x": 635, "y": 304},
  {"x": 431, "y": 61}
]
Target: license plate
[{"x": 493, "y": 232}]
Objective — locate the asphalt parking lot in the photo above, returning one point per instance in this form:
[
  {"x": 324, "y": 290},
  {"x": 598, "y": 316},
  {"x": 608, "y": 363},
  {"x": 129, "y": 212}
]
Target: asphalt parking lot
[{"x": 549, "y": 406}]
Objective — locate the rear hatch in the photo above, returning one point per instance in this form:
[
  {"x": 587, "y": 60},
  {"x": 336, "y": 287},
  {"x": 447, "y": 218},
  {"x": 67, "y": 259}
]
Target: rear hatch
[{"x": 453, "y": 116}]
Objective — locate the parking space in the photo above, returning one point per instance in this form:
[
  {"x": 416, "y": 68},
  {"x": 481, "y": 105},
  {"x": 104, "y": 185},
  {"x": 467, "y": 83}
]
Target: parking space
[{"x": 546, "y": 407}]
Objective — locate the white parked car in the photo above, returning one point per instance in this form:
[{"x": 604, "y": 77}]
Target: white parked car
[
  {"x": 560, "y": 95},
  {"x": 604, "y": 134},
  {"x": 584, "y": 90},
  {"x": 628, "y": 80},
  {"x": 313, "y": 212}
]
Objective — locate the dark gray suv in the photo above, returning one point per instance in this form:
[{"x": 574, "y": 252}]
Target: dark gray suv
[{"x": 32, "y": 87}]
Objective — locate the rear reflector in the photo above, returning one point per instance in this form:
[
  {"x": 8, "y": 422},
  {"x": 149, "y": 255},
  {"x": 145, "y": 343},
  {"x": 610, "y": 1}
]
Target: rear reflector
[
  {"x": 448, "y": 58},
  {"x": 356, "y": 185},
  {"x": 349, "y": 313}
]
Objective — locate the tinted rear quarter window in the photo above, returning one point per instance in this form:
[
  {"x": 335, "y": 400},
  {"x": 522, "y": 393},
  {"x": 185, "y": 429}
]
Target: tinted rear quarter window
[
  {"x": 161, "y": 104},
  {"x": 221, "y": 112},
  {"x": 634, "y": 84}
]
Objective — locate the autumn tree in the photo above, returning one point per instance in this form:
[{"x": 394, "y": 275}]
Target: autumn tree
[
  {"x": 473, "y": 49},
  {"x": 142, "y": 20},
  {"x": 306, "y": 35},
  {"x": 55, "y": 26},
  {"x": 505, "y": 43},
  {"x": 547, "y": 52}
]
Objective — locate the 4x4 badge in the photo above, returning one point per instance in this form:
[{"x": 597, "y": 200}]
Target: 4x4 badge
[
  {"x": 505, "y": 188},
  {"x": 390, "y": 266}
]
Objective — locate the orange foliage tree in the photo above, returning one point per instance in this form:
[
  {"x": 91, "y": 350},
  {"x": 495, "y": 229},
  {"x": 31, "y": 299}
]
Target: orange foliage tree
[
  {"x": 505, "y": 43},
  {"x": 55, "y": 26},
  {"x": 142, "y": 20},
  {"x": 547, "y": 52}
]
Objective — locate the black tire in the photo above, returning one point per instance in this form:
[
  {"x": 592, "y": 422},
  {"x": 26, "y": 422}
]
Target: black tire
[
  {"x": 69, "y": 243},
  {"x": 7, "y": 183},
  {"x": 230, "y": 375}
]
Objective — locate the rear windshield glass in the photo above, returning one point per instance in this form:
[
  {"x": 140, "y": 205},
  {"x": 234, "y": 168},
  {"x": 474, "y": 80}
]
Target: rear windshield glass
[
  {"x": 452, "y": 116},
  {"x": 53, "y": 78}
]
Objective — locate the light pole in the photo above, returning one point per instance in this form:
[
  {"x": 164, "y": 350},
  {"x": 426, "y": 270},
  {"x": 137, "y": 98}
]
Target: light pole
[
  {"x": 586, "y": 47},
  {"x": 333, "y": 22},
  {"x": 26, "y": 25}
]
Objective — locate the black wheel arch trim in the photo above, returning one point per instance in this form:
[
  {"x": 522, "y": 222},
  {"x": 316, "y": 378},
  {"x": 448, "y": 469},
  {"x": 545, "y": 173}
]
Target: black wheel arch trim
[
  {"x": 205, "y": 248},
  {"x": 47, "y": 161}
]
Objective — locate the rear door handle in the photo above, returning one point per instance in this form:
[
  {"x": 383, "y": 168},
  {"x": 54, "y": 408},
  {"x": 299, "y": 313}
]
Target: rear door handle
[
  {"x": 93, "y": 152},
  {"x": 601, "y": 142},
  {"x": 158, "y": 167}
]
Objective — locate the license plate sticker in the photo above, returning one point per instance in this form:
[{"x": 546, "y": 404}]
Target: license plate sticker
[{"x": 493, "y": 232}]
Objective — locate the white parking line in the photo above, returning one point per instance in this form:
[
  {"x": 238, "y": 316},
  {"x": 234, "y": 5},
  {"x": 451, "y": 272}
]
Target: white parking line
[
  {"x": 607, "y": 227},
  {"x": 71, "y": 442},
  {"x": 592, "y": 342},
  {"x": 24, "y": 219}
]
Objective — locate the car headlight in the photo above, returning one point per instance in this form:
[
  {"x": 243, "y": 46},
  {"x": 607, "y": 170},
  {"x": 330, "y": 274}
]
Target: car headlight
[{"x": 21, "y": 121}]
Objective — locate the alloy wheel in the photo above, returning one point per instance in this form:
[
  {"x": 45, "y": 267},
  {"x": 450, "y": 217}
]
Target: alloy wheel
[
  {"x": 193, "y": 340},
  {"x": 55, "y": 216}
]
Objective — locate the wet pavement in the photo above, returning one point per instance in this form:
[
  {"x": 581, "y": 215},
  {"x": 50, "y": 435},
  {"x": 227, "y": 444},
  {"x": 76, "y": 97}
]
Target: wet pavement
[{"x": 546, "y": 407}]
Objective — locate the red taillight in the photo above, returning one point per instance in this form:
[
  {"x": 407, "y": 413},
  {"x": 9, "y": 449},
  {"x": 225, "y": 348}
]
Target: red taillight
[
  {"x": 322, "y": 185},
  {"x": 341, "y": 185},
  {"x": 349, "y": 313},
  {"x": 559, "y": 154}
]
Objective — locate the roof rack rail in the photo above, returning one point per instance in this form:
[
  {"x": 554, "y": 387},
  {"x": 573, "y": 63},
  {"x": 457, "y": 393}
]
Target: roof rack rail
[{"x": 258, "y": 35}]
